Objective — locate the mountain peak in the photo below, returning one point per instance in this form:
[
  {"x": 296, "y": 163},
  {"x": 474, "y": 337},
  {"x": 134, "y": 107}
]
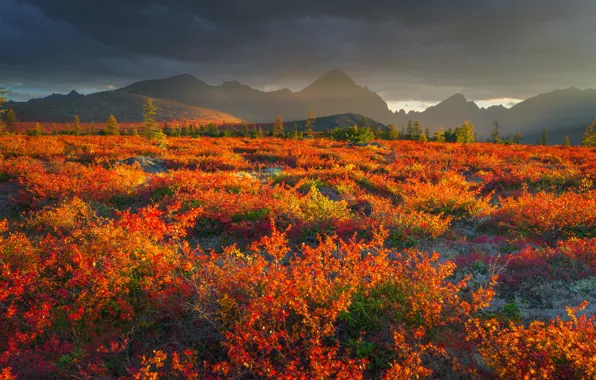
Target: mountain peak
[
  {"x": 459, "y": 97},
  {"x": 184, "y": 76},
  {"x": 333, "y": 78},
  {"x": 73, "y": 94},
  {"x": 336, "y": 77},
  {"x": 456, "y": 100}
]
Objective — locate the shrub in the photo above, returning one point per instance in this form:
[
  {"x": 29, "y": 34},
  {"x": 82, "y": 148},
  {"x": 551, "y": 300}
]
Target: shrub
[
  {"x": 354, "y": 135},
  {"x": 556, "y": 349},
  {"x": 550, "y": 215}
]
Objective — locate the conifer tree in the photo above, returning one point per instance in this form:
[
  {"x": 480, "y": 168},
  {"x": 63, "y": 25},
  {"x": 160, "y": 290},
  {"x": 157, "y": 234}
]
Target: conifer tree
[
  {"x": 543, "y": 138},
  {"x": 589, "y": 139},
  {"x": 112, "y": 126},
  {"x": 167, "y": 130},
  {"x": 76, "y": 126},
  {"x": 37, "y": 130},
  {"x": 278, "y": 127},
  {"x": 495, "y": 136},
  {"x": 151, "y": 131},
  {"x": 295, "y": 134},
  {"x": 186, "y": 129},
  {"x": 439, "y": 135},
  {"x": 416, "y": 131},
  {"x": 212, "y": 130},
  {"x": 310, "y": 124},
  {"x": 10, "y": 119},
  {"x": 392, "y": 132},
  {"x": 409, "y": 130},
  {"x": 465, "y": 133},
  {"x": 3, "y": 93}
]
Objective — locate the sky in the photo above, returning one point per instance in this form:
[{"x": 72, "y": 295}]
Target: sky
[{"x": 412, "y": 53}]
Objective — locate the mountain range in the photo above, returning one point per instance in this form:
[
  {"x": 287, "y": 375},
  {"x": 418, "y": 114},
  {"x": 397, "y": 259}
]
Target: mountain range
[
  {"x": 99, "y": 106},
  {"x": 561, "y": 112}
]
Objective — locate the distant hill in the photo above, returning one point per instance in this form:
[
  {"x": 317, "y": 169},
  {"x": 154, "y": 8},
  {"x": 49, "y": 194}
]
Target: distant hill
[
  {"x": 561, "y": 112},
  {"x": 99, "y": 106},
  {"x": 452, "y": 112},
  {"x": 327, "y": 123}
]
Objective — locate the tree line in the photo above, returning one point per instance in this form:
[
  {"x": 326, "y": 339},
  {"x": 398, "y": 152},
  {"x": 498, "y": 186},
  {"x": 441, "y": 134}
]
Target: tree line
[{"x": 361, "y": 132}]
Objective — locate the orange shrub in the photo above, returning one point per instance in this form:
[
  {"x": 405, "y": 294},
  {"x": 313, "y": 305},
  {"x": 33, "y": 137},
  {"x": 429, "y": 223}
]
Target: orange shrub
[
  {"x": 557, "y": 349},
  {"x": 546, "y": 213},
  {"x": 451, "y": 195}
]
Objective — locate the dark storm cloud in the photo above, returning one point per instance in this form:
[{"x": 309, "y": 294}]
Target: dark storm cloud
[{"x": 421, "y": 50}]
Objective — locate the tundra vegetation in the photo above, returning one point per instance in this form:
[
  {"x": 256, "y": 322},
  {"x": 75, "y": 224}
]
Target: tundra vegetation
[{"x": 124, "y": 256}]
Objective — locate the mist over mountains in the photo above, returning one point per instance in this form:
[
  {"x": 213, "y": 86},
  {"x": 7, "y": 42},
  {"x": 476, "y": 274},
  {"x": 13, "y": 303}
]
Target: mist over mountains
[{"x": 561, "y": 112}]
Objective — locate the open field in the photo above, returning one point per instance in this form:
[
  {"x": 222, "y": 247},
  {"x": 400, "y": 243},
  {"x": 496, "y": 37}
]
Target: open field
[{"x": 272, "y": 258}]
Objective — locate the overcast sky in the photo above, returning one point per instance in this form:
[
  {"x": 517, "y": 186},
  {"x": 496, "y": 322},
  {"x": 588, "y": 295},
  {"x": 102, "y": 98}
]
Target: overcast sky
[{"x": 413, "y": 53}]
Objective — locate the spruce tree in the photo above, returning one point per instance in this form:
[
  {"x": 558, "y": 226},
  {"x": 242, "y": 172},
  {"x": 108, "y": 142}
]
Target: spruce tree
[
  {"x": 416, "y": 131},
  {"x": 566, "y": 141},
  {"x": 439, "y": 135},
  {"x": 10, "y": 119},
  {"x": 495, "y": 136},
  {"x": 167, "y": 130},
  {"x": 392, "y": 132},
  {"x": 295, "y": 134},
  {"x": 76, "y": 126},
  {"x": 589, "y": 139},
  {"x": 112, "y": 126},
  {"x": 212, "y": 130},
  {"x": 544, "y": 138},
  {"x": 186, "y": 129},
  {"x": 465, "y": 133},
  {"x": 278, "y": 127},
  {"x": 3, "y": 93},
  {"x": 409, "y": 131},
  {"x": 38, "y": 130},
  {"x": 310, "y": 124},
  {"x": 151, "y": 131}
]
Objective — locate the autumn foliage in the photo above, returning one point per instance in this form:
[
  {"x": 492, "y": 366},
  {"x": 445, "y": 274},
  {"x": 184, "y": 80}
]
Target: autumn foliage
[{"x": 271, "y": 258}]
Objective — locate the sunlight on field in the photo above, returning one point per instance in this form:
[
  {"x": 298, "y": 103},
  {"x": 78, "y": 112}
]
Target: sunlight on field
[{"x": 265, "y": 257}]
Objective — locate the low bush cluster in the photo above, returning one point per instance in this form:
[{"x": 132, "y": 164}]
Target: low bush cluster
[{"x": 245, "y": 258}]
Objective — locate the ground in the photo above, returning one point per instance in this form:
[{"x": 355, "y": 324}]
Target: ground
[{"x": 114, "y": 237}]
